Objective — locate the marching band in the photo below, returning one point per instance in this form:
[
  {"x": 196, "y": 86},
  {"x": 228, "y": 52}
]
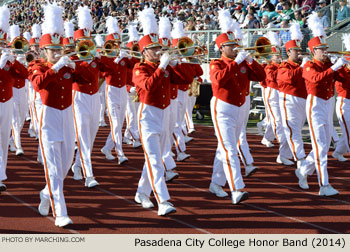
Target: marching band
[{"x": 68, "y": 83}]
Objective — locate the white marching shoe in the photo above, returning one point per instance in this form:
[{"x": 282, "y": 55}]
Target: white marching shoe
[
  {"x": 217, "y": 190},
  {"x": 170, "y": 175},
  {"x": 191, "y": 131},
  {"x": 282, "y": 160},
  {"x": 12, "y": 146},
  {"x": 107, "y": 153},
  {"x": 250, "y": 170},
  {"x": 301, "y": 163},
  {"x": 77, "y": 172},
  {"x": 302, "y": 179},
  {"x": 182, "y": 156},
  {"x": 102, "y": 124},
  {"x": 91, "y": 182},
  {"x": 31, "y": 133},
  {"x": 339, "y": 156},
  {"x": 44, "y": 205},
  {"x": 19, "y": 152},
  {"x": 260, "y": 128},
  {"x": 188, "y": 139},
  {"x": 172, "y": 154},
  {"x": 327, "y": 190},
  {"x": 63, "y": 221},
  {"x": 267, "y": 143},
  {"x": 122, "y": 159},
  {"x": 142, "y": 199},
  {"x": 165, "y": 208},
  {"x": 136, "y": 144},
  {"x": 2, "y": 187},
  {"x": 238, "y": 197},
  {"x": 127, "y": 141}
]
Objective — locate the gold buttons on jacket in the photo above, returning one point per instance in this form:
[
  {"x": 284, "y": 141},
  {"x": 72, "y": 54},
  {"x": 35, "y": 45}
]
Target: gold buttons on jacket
[
  {"x": 163, "y": 96},
  {"x": 3, "y": 90},
  {"x": 174, "y": 89},
  {"x": 62, "y": 97},
  {"x": 3, "y": 99},
  {"x": 90, "y": 84},
  {"x": 163, "y": 105},
  {"x": 90, "y": 92},
  {"x": 62, "y": 106},
  {"x": 62, "y": 87}
]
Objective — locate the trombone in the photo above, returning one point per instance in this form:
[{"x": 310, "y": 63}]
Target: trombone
[{"x": 19, "y": 45}]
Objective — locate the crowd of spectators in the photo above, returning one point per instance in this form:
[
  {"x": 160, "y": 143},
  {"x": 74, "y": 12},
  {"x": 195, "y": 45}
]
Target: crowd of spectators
[{"x": 197, "y": 15}]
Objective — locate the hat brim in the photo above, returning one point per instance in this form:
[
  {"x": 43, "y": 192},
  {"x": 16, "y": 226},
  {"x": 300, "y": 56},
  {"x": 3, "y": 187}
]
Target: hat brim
[
  {"x": 230, "y": 43},
  {"x": 153, "y": 45},
  {"x": 295, "y": 48},
  {"x": 321, "y": 46},
  {"x": 54, "y": 47}
]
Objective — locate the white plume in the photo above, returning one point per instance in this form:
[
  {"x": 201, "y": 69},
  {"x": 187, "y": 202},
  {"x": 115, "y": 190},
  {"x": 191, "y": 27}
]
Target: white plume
[
  {"x": 295, "y": 32},
  {"x": 346, "y": 41},
  {"x": 315, "y": 25},
  {"x": 27, "y": 36},
  {"x": 164, "y": 27},
  {"x": 133, "y": 34},
  {"x": 4, "y": 18},
  {"x": 237, "y": 30},
  {"x": 53, "y": 20},
  {"x": 225, "y": 20},
  {"x": 14, "y": 32},
  {"x": 99, "y": 40},
  {"x": 84, "y": 18},
  {"x": 148, "y": 21},
  {"x": 273, "y": 37},
  {"x": 178, "y": 30},
  {"x": 36, "y": 31},
  {"x": 112, "y": 25},
  {"x": 69, "y": 29}
]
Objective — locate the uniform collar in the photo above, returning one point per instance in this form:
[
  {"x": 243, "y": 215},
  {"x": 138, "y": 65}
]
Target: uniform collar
[
  {"x": 152, "y": 64},
  {"x": 226, "y": 59},
  {"x": 293, "y": 63}
]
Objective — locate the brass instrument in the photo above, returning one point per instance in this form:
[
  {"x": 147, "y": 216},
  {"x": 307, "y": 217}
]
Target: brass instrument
[
  {"x": 194, "y": 88},
  {"x": 110, "y": 48},
  {"x": 85, "y": 49},
  {"x": 262, "y": 47},
  {"x": 20, "y": 45},
  {"x": 339, "y": 52},
  {"x": 30, "y": 56}
]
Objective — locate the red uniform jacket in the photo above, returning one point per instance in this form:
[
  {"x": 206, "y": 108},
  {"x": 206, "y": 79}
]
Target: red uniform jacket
[
  {"x": 343, "y": 88},
  {"x": 91, "y": 86},
  {"x": 55, "y": 88},
  {"x": 117, "y": 76},
  {"x": 271, "y": 75},
  {"x": 153, "y": 84},
  {"x": 198, "y": 72},
  {"x": 263, "y": 83},
  {"x": 320, "y": 78},
  {"x": 290, "y": 79},
  {"x": 230, "y": 81},
  {"x": 8, "y": 75}
]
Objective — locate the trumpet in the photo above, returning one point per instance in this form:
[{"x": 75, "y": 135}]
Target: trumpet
[
  {"x": 339, "y": 52},
  {"x": 85, "y": 49},
  {"x": 19, "y": 45},
  {"x": 30, "y": 56},
  {"x": 262, "y": 47}
]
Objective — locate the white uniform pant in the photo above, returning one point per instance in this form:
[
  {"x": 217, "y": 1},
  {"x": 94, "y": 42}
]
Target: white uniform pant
[
  {"x": 243, "y": 146},
  {"x": 343, "y": 114},
  {"x": 116, "y": 106},
  {"x": 269, "y": 134},
  {"x": 102, "y": 92},
  {"x": 293, "y": 119},
  {"x": 334, "y": 133},
  {"x": 320, "y": 120},
  {"x": 131, "y": 130},
  {"x": 153, "y": 127},
  {"x": 30, "y": 91},
  {"x": 86, "y": 118},
  {"x": 179, "y": 138},
  {"x": 6, "y": 109},
  {"x": 20, "y": 105},
  {"x": 227, "y": 125},
  {"x": 56, "y": 137},
  {"x": 168, "y": 159},
  {"x": 188, "y": 116},
  {"x": 275, "y": 118}
]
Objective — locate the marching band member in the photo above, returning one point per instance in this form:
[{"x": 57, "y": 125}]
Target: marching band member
[
  {"x": 293, "y": 95},
  {"x": 53, "y": 79},
  {"x": 230, "y": 75},
  {"x": 10, "y": 70},
  {"x": 342, "y": 110},
  {"x": 35, "y": 96},
  {"x": 19, "y": 99},
  {"x": 242, "y": 145},
  {"x": 86, "y": 100},
  {"x": 182, "y": 97},
  {"x": 68, "y": 40},
  {"x": 102, "y": 85},
  {"x": 273, "y": 100},
  {"x": 319, "y": 75},
  {"x": 152, "y": 79},
  {"x": 116, "y": 94},
  {"x": 131, "y": 133}
]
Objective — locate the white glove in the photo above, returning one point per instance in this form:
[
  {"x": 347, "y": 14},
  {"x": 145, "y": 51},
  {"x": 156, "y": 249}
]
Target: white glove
[
  {"x": 185, "y": 60},
  {"x": 4, "y": 58},
  {"x": 249, "y": 59},
  {"x": 164, "y": 60},
  {"x": 333, "y": 59},
  {"x": 305, "y": 59},
  {"x": 21, "y": 59},
  {"x": 133, "y": 90},
  {"x": 63, "y": 61},
  {"x": 173, "y": 63},
  {"x": 121, "y": 56},
  {"x": 242, "y": 55},
  {"x": 71, "y": 64},
  {"x": 98, "y": 55},
  {"x": 337, "y": 65}
]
